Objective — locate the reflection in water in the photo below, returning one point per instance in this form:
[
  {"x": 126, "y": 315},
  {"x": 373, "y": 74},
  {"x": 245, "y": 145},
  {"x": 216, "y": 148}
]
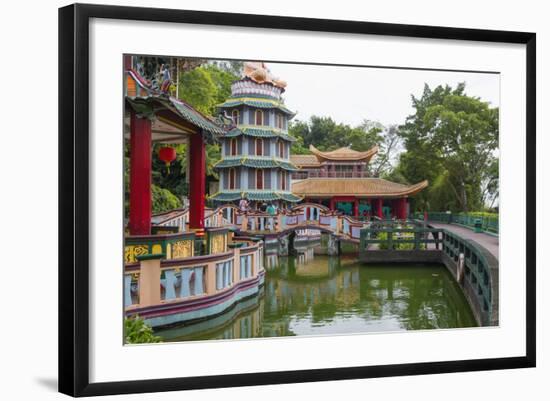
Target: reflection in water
[{"x": 306, "y": 295}]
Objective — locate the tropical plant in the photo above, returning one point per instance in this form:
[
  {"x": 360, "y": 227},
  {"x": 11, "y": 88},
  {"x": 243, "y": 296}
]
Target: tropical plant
[{"x": 136, "y": 331}]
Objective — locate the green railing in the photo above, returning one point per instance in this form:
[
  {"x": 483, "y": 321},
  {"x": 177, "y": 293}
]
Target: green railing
[
  {"x": 480, "y": 273},
  {"x": 487, "y": 223},
  {"x": 400, "y": 237}
]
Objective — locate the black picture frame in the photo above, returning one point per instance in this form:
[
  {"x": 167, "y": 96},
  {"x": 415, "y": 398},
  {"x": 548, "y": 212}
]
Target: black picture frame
[{"x": 74, "y": 198}]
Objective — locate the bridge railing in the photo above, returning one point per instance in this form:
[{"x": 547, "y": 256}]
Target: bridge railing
[
  {"x": 488, "y": 223},
  {"x": 406, "y": 237},
  {"x": 479, "y": 274},
  {"x": 154, "y": 281}
]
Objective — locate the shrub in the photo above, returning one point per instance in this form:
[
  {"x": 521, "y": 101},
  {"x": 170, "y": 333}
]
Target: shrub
[{"x": 136, "y": 331}]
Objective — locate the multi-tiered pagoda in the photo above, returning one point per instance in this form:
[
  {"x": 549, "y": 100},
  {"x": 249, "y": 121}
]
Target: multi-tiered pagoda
[{"x": 255, "y": 162}]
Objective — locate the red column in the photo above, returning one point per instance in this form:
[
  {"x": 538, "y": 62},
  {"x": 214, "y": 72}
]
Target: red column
[
  {"x": 379, "y": 204},
  {"x": 403, "y": 208},
  {"x": 356, "y": 207},
  {"x": 331, "y": 204},
  {"x": 140, "y": 175},
  {"x": 197, "y": 181}
]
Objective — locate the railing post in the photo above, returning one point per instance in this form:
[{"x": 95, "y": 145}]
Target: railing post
[
  {"x": 149, "y": 279},
  {"x": 211, "y": 278}
]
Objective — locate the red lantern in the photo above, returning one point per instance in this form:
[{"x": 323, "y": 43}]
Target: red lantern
[{"x": 167, "y": 154}]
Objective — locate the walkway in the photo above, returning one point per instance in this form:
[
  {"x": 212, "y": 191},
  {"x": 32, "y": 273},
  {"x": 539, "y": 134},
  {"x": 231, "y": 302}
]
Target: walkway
[{"x": 490, "y": 242}]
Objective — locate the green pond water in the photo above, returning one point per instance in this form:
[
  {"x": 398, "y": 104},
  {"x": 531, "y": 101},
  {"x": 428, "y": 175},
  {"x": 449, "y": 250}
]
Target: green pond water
[{"x": 338, "y": 295}]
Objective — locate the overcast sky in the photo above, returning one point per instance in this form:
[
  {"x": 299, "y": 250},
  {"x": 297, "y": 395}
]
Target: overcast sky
[{"x": 351, "y": 94}]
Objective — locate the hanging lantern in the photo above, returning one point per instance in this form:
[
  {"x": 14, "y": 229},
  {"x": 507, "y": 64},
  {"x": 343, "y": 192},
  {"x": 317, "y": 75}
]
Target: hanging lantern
[{"x": 167, "y": 154}]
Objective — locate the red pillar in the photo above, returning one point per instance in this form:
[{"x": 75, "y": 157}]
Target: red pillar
[
  {"x": 403, "y": 208},
  {"x": 331, "y": 204},
  {"x": 379, "y": 205},
  {"x": 356, "y": 207},
  {"x": 197, "y": 181},
  {"x": 140, "y": 175}
]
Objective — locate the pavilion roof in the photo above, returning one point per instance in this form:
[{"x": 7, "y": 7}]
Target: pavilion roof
[
  {"x": 344, "y": 154},
  {"x": 149, "y": 102},
  {"x": 305, "y": 160},
  {"x": 359, "y": 187}
]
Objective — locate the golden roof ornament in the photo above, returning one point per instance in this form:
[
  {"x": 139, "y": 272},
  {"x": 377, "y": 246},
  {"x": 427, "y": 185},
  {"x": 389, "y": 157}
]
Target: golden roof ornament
[{"x": 259, "y": 73}]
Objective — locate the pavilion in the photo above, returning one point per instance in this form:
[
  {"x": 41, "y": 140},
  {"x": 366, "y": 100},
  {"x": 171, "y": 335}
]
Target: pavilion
[
  {"x": 340, "y": 180},
  {"x": 152, "y": 116}
]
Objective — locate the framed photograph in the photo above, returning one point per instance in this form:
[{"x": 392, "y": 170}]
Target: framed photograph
[{"x": 252, "y": 199}]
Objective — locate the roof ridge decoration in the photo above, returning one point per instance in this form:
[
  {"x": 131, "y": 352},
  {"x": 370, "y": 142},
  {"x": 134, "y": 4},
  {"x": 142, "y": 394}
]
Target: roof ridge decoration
[{"x": 344, "y": 153}]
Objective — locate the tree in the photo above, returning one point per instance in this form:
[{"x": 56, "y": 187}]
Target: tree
[
  {"x": 387, "y": 152},
  {"x": 451, "y": 140}
]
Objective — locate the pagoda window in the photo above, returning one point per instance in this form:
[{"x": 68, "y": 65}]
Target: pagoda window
[
  {"x": 233, "y": 147},
  {"x": 259, "y": 117},
  {"x": 281, "y": 149},
  {"x": 232, "y": 178},
  {"x": 280, "y": 121},
  {"x": 283, "y": 180},
  {"x": 259, "y": 147},
  {"x": 259, "y": 179},
  {"x": 235, "y": 116}
]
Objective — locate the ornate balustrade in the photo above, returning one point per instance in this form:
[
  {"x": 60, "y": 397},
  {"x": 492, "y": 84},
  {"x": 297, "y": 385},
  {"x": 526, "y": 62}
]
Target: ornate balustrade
[
  {"x": 177, "y": 245},
  {"x": 153, "y": 281}
]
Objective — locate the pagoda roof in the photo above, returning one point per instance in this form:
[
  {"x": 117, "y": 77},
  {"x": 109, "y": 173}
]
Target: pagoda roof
[
  {"x": 255, "y": 162},
  {"x": 359, "y": 187},
  {"x": 344, "y": 154},
  {"x": 254, "y": 195},
  {"x": 263, "y": 132},
  {"x": 257, "y": 101}
]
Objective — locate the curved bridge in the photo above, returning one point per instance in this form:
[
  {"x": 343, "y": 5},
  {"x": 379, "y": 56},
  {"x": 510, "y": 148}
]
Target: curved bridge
[{"x": 306, "y": 216}]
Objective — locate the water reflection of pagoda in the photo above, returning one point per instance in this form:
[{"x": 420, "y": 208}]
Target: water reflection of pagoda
[{"x": 255, "y": 154}]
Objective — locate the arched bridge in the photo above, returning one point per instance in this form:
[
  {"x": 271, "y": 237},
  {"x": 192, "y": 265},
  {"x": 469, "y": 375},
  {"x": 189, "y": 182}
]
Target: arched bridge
[{"x": 306, "y": 216}]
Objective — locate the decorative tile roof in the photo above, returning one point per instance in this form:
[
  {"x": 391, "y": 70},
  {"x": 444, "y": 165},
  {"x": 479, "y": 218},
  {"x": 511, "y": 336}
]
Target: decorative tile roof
[
  {"x": 255, "y": 162},
  {"x": 258, "y": 102},
  {"x": 343, "y": 154},
  {"x": 263, "y": 132},
  {"x": 360, "y": 187},
  {"x": 255, "y": 195},
  {"x": 305, "y": 161}
]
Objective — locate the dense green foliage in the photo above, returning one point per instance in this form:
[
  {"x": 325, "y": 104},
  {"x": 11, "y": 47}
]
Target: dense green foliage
[
  {"x": 164, "y": 200},
  {"x": 136, "y": 331},
  {"x": 452, "y": 141}
]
